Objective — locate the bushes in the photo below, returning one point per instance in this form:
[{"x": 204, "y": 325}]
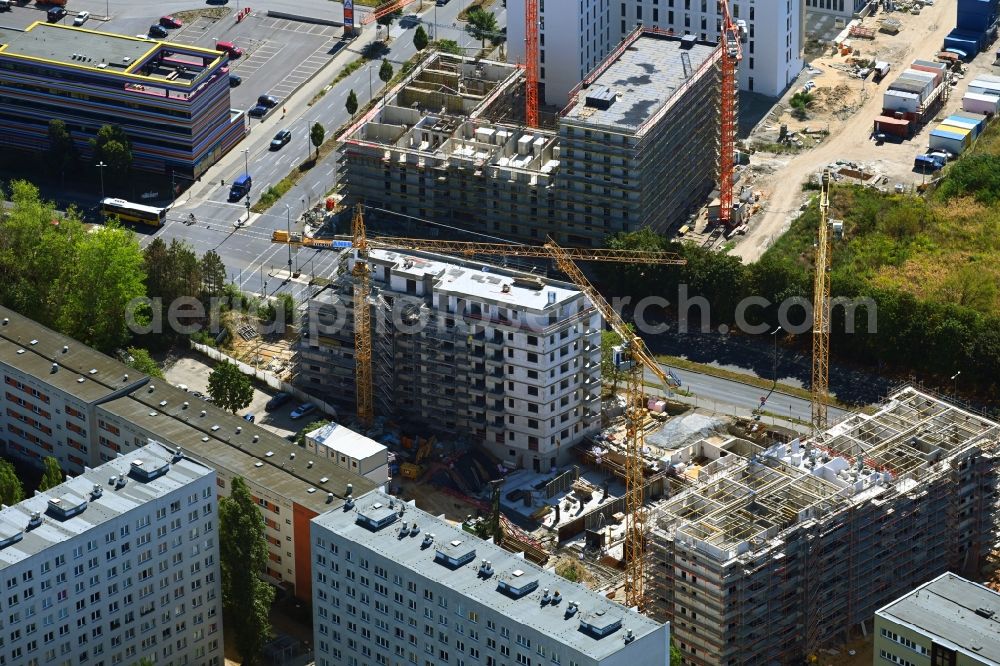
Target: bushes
[{"x": 977, "y": 175}]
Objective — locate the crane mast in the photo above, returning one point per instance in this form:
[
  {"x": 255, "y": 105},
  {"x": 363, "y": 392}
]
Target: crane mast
[
  {"x": 732, "y": 52},
  {"x": 531, "y": 63},
  {"x": 821, "y": 313},
  {"x": 362, "y": 320}
]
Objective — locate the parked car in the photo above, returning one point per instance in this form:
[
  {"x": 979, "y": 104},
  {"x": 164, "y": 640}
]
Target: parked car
[
  {"x": 277, "y": 400},
  {"x": 235, "y": 80},
  {"x": 170, "y": 22},
  {"x": 302, "y": 410},
  {"x": 249, "y": 417},
  {"x": 229, "y": 48},
  {"x": 280, "y": 139},
  {"x": 258, "y": 111},
  {"x": 268, "y": 100},
  {"x": 81, "y": 18},
  {"x": 56, "y": 14},
  {"x": 158, "y": 31}
]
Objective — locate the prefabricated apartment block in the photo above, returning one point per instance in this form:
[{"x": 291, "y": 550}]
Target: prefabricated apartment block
[
  {"x": 470, "y": 352},
  {"x": 440, "y": 595},
  {"x": 137, "y": 538},
  {"x": 773, "y": 553},
  {"x": 637, "y": 147},
  {"x": 66, "y": 400}
]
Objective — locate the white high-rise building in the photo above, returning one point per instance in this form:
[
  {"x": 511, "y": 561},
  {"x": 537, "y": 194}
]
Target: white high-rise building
[
  {"x": 396, "y": 586},
  {"x": 574, "y": 37},
  {"x": 114, "y": 565}
]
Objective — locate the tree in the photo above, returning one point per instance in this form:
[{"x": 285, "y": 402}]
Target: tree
[
  {"x": 420, "y": 39},
  {"x": 213, "y": 274},
  {"x": 52, "y": 476},
  {"x": 174, "y": 271},
  {"x": 112, "y": 146},
  {"x": 352, "y": 103},
  {"x": 316, "y": 136},
  {"x": 448, "y": 46},
  {"x": 106, "y": 275},
  {"x": 300, "y": 438},
  {"x": 676, "y": 658},
  {"x": 246, "y": 599},
  {"x": 62, "y": 151},
  {"x": 385, "y": 73},
  {"x": 388, "y": 20},
  {"x": 482, "y": 25},
  {"x": 143, "y": 362},
  {"x": 11, "y": 490},
  {"x": 230, "y": 388}
]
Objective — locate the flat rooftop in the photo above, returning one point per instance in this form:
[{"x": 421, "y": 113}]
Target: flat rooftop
[
  {"x": 508, "y": 569},
  {"x": 23, "y": 540},
  {"x": 61, "y": 361},
  {"x": 640, "y": 81},
  {"x": 107, "y": 52},
  {"x": 957, "y": 613},
  {"x": 483, "y": 282},
  {"x": 346, "y": 441}
]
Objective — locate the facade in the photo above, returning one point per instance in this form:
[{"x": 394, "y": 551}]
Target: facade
[
  {"x": 448, "y": 145},
  {"x": 117, "y": 564},
  {"x": 172, "y": 100},
  {"x": 470, "y": 352},
  {"x": 773, "y": 553},
  {"x": 350, "y": 450},
  {"x": 844, "y": 9},
  {"x": 66, "y": 400},
  {"x": 395, "y": 585},
  {"x": 948, "y": 620},
  {"x": 579, "y": 37}
]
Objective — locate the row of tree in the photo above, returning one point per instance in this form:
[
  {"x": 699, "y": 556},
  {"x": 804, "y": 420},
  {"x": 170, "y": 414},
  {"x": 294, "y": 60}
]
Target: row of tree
[{"x": 110, "y": 147}]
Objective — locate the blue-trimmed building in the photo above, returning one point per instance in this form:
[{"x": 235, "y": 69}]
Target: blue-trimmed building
[{"x": 172, "y": 100}]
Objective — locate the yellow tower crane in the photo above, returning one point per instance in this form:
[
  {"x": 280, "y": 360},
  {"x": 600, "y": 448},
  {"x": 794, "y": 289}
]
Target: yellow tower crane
[
  {"x": 565, "y": 259},
  {"x": 821, "y": 313}
]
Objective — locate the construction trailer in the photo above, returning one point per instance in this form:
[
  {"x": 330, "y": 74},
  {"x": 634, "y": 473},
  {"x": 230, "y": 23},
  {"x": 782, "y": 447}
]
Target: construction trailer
[
  {"x": 775, "y": 552},
  {"x": 635, "y": 147}
]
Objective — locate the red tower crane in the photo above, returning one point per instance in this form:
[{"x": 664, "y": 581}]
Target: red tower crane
[
  {"x": 531, "y": 63},
  {"x": 730, "y": 38}
]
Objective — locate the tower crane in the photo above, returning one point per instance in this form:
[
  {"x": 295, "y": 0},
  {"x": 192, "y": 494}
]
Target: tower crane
[
  {"x": 565, "y": 259},
  {"x": 531, "y": 63},
  {"x": 384, "y": 9},
  {"x": 821, "y": 312},
  {"x": 730, "y": 38}
]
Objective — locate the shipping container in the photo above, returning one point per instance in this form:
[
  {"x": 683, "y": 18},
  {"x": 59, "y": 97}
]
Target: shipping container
[
  {"x": 951, "y": 140},
  {"x": 899, "y": 100},
  {"x": 979, "y": 103},
  {"x": 893, "y": 126},
  {"x": 939, "y": 66},
  {"x": 917, "y": 88},
  {"x": 971, "y": 128},
  {"x": 926, "y": 78},
  {"x": 984, "y": 87},
  {"x": 937, "y": 73},
  {"x": 976, "y": 123}
]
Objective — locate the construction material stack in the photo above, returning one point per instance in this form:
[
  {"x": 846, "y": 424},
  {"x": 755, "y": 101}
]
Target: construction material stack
[
  {"x": 912, "y": 98},
  {"x": 975, "y": 27},
  {"x": 982, "y": 95}
]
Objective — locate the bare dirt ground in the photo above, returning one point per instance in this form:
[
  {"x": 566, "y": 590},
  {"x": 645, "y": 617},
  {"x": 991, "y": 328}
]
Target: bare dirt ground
[
  {"x": 847, "y": 106},
  {"x": 435, "y": 502}
]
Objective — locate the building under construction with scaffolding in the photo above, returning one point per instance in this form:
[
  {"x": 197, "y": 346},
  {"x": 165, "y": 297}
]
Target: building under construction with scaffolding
[
  {"x": 772, "y": 553},
  {"x": 635, "y": 147}
]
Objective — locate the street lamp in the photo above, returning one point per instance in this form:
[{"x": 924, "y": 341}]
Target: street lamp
[
  {"x": 288, "y": 230},
  {"x": 954, "y": 378},
  {"x": 774, "y": 335},
  {"x": 371, "y": 95},
  {"x": 101, "y": 165},
  {"x": 246, "y": 161}
]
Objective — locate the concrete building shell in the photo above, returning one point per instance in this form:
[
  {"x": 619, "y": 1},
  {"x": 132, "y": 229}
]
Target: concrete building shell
[{"x": 774, "y": 553}]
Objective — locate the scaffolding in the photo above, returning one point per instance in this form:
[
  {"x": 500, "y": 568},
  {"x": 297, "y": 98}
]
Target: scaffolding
[{"x": 774, "y": 552}]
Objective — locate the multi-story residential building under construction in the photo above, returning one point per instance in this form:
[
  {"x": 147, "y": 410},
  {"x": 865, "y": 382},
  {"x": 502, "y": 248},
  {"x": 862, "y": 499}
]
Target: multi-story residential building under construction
[
  {"x": 635, "y": 147},
  {"x": 470, "y": 352},
  {"x": 772, "y": 553}
]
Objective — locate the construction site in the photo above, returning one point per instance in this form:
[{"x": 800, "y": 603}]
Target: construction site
[{"x": 636, "y": 147}]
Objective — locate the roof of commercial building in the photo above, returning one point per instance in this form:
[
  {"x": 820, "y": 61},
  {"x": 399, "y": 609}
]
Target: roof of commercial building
[
  {"x": 957, "y": 613},
  {"x": 346, "y": 441},
  {"x": 481, "y": 281},
  {"x": 224, "y": 440},
  {"x": 640, "y": 81},
  {"x": 91, "y": 49},
  {"x": 61, "y": 361},
  {"x": 19, "y": 540},
  {"x": 528, "y": 581}
]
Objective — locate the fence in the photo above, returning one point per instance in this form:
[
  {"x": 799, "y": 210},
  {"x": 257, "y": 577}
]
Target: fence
[
  {"x": 562, "y": 483},
  {"x": 266, "y": 378}
]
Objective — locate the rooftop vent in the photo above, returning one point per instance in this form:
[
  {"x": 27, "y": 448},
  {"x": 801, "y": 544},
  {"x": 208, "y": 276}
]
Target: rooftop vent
[
  {"x": 310, "y": 490},
  {"x": 55, "y": 368},
  {"x": 291, "y": 456},
  {"x": 323, "y": 479},
  {"x": 151, "y": 388},
  {"x": 988, "y": 613},
  {"x": 34, "y": 520},
  {"x": 65, "y": 348},
  {"x": 125, "y": 377},
  {"x": 404, "y": 531},
  {"x": 457, "y": 553},
  {"x": 6, "y": 321},
  {"x": 269, "y": 454},
  {"x": 96, "y": 492},
  {"x": 571, "y": 609},
  {"x": 258, "y": 464},
  {"x": 688, "y": 41},
  {"x": 350, "y": 489},
  {"x": 428, "y": 540},
  {"x": 600, "y": 624},
  {"x": 120, "y": 483},
  {"x": 485, "y": 569},
  {"x": 256, "y": 438},
  {"x": 66, "y": 507},
  {"x": 348, "y": 503},
  {"x": 239, "y": 429},
  {"x": 600, "y": 97},
  {"x": 163, "y": 403},
  {"x": 555, "y": 598},
  {"x": 414, "y": 528},
  {"x": 214, "y": 427},
  {"x": 79, "y": 380},
  {"x": 202, "y": 413},
  {"x": 33, "y": 343},
  {"x": 629, "y": 636},
  {"x": 146, "y": 473},
  {"x": 329, "y": 498},
  {"x": 516, "y": 584},
  {"x": 546, "y": 597},
  {"x": 309, "y": 464},
  {"x": 178, "y": 455}
]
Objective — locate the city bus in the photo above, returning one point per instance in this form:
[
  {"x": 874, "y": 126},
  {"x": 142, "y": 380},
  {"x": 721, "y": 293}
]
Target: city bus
[{"x": 126, "y": 211}]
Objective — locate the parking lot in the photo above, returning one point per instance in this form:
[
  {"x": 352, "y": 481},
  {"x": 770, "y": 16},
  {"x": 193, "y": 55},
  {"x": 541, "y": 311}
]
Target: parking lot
[{"x": 192, "y": 371}]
